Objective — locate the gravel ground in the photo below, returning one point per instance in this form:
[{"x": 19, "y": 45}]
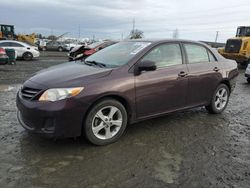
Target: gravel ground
[{"x": 186, "y": 149}]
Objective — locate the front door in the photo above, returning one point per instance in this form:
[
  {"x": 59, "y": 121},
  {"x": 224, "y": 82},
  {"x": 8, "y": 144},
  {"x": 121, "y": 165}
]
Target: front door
[{"x": 164, "y": 89}]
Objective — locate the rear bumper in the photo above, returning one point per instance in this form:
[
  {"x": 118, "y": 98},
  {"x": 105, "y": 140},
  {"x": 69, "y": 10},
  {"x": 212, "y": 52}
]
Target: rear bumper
[
  {"x": 4, "y": 59},
  {"x": 59, "y": 119}
]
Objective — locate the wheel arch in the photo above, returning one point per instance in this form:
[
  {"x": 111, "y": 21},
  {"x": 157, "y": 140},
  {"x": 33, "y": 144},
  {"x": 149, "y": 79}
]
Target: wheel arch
[
  {"x": 117, "y": 97},
  {"x": 227, "y": 83},
  {"x": 27, "y": 52}
]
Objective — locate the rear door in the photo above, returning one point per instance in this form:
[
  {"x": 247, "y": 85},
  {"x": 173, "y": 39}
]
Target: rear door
[
  {"x": 54, "y": 45},
  {"x": 5, "y": 45},
  {"x": 203, "y": 74},
  {"x": 19, "y": 48},
  {"x": 13, "y": 45},
  {"x": 164, "y": 89}
]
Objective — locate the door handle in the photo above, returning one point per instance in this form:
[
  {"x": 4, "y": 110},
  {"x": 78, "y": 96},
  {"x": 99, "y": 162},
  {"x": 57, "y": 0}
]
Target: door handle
[
  {"x": 216, "y": 69},
  {"x": 182, "y": 74}
]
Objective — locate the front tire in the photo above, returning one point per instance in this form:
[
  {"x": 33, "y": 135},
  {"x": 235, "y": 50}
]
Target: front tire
[
  {"x": 60, "y": 49},
  {"x": 27, "y": 56},
  {"x": 219, "y": 100},
  {"x": 106, "y": 122},
  {"x": 248, "y": 80}
]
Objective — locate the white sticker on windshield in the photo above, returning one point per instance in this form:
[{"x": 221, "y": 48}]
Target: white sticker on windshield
[{"x": 141, "y": 46}]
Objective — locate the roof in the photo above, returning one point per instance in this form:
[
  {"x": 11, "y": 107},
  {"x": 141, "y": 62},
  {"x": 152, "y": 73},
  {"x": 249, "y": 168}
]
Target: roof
[
  {"x": 167, "y": 40},
  {"x": 1, "y": 41}
]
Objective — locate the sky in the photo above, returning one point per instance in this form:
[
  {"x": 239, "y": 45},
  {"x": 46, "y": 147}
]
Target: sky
[{"x": 113, "y": 19}]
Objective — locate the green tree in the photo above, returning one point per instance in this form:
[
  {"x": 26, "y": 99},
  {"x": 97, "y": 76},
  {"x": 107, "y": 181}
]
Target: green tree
[
  {"x": 136, "y": 34},
  {"x": 52, "y": 37}
]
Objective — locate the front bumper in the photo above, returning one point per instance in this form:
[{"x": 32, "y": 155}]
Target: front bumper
[
  {"x": 73, "y": 57},
  {"x": 58, "y": 119},
  {"x": 36, "y": 54}
]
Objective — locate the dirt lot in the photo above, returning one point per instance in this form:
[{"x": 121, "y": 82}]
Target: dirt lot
[{"x": 187, "y": 149}]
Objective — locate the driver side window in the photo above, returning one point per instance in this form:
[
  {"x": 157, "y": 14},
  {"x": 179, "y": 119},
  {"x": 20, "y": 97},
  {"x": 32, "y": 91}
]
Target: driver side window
[{"x": 165, "y": 55}]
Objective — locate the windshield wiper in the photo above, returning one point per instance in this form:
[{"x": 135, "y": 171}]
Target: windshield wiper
[{"x": 95, "y": 63}]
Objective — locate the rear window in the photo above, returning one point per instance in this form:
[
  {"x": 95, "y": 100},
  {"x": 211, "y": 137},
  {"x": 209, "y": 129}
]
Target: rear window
[
  {"x": 196, "y": 53},
  {"x": 211, "y": 56},
  {"x": 5, "y": 44}
]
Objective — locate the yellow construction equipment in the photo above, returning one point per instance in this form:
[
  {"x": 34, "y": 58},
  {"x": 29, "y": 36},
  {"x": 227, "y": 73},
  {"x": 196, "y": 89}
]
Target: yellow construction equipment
[
  {"x": 27, "y": 38},
  {"x": 8, "y": 32},
  {"x": 238, "y": 48}
]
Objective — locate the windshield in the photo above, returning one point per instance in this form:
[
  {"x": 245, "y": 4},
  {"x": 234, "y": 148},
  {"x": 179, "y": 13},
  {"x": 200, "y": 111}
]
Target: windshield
[
  {"x": 118, "y": 54},
  {"x": 243, "y": 31}
]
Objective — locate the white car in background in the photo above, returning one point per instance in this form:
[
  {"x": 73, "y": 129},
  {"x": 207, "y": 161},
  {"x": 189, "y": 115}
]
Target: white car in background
[
  {"x": 23, "y": 50},
  {"x": 247, "y": 73},
  {"x": 70, "y": 46}
]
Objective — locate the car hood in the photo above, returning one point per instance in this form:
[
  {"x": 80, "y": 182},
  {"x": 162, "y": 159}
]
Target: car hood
[
  {"x": 71, "y": 74},
  {"x": 81, "y": 47}
]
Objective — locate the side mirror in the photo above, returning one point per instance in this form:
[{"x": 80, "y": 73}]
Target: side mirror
[{"x": 145, "y": 65}]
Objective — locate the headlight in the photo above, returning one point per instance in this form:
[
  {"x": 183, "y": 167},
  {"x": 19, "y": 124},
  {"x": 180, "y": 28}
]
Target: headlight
[
  {"x": 60, "y": 93},
  {"x": 79, "y": 55}
]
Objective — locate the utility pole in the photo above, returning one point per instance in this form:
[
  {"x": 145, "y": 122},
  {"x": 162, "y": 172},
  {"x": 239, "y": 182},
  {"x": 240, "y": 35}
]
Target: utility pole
[
  {"x": 133, "y": 25},
  {"x": 216, "y": 37},
  {"x": 176, "y": 34},
  {"x": 79, "y": 32}
]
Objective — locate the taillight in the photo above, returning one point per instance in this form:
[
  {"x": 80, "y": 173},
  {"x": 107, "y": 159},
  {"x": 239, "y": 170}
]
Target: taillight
[
  {"x": 89, "y": 52},
  {"x": 2, "y": 51}
]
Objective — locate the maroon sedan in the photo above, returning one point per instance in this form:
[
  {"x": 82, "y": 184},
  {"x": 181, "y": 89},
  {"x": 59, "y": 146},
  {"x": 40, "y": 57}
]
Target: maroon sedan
[{"x": 125, "y": 83}]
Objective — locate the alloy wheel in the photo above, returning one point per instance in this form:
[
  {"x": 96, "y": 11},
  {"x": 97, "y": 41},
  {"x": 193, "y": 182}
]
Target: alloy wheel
[
  {"x": 107, "y": 122},
  {"x": 221, "y": 98}
]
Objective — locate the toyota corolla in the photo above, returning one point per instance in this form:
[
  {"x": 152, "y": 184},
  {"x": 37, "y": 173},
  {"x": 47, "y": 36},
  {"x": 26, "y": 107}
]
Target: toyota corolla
[{"x": 125, "y": 83}]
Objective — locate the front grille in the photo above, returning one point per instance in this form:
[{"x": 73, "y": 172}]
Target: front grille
[
  {"x": 30, "y": 93},
  {"x": 233, "y": 46}
]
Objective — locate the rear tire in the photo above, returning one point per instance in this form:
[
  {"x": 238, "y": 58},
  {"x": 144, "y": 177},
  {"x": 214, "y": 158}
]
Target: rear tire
[
  {"x": 27, "y": 56},
  {"x": 219, "y": 100},
  {"x": 248, "y": 80},
  {"x": 105, "y": 122}
]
